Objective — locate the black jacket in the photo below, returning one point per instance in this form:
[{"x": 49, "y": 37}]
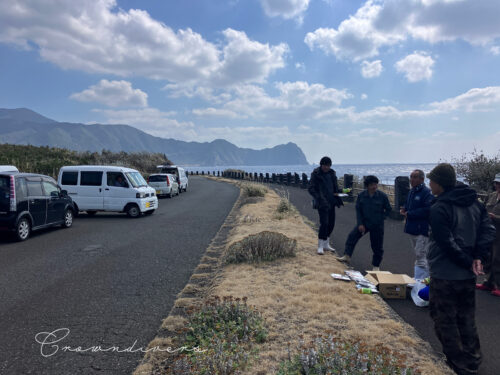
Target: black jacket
[
  {"x": 461, "y": 231},
  {"x": 322, "y": 187}
]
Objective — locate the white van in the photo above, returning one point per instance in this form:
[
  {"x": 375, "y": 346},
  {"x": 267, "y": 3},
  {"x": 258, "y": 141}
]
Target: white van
[
  {"x": 8, "y": 168},
  {"x": 178, "y": 172},
  {"x": 108, "y": 188}
]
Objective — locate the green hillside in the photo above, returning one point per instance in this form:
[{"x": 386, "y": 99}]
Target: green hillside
[{"x": 48, "y": 160}]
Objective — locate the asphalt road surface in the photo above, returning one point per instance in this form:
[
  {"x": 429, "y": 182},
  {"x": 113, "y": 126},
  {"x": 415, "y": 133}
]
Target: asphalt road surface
[
  {"x": 399, "y": 258},
  {"x": 108, "y": 281}
]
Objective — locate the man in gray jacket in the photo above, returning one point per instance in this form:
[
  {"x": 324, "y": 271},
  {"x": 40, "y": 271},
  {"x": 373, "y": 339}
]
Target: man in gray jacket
[{"x": 461, "y": 237}]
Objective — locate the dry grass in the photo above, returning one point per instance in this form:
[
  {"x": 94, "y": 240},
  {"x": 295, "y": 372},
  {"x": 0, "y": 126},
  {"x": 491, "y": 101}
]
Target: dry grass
[{"x": 298, "y": 298}]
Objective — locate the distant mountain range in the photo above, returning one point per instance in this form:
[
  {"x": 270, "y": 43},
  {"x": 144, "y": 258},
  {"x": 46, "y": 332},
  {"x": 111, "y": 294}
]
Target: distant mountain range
[{"x": 23, "y": 126}]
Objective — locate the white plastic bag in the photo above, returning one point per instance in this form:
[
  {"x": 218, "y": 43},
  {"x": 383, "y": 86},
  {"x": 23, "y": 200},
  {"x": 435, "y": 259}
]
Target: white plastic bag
[{"x": 414, "y": 294}]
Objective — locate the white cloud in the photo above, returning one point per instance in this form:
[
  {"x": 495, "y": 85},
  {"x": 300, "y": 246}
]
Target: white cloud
[
  {"x": 152, "y": 121},
  {"x": 379, "y": 24},
  {"x": 215, "y": 112},
  {"x": 416, "y": 67},
  {"x": 300, "y": 66},
  {"x": 371, "y": 69},
  {"x": 373, "y": 133},
  {"x": 96, "y": 36},
  {"x": 495, "y": 50},
  {"x": 364, "y": 96},
  {"x": 286, "y": 9},
  {"x": 296, "y": 100},
  {"x": 113, "y": 94},
  {"x": 475, "y": 100}
]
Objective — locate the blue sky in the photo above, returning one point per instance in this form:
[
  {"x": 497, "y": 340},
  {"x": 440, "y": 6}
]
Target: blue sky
[{"x": 361, "y": 81}]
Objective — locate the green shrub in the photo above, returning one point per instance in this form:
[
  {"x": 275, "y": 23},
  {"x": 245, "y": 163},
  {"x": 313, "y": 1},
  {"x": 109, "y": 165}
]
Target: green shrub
[
  {"x": 284, "y": 205},
  {"x": 225, "y": 331},
  {"x": 254, "y": 190},
  {"x": 478, "y": 170},
  {"x": 263, "y": 246},
  {"x": 334, "y": 355}
]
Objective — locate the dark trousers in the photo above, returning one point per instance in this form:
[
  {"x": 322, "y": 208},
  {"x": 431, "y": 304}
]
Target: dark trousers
[
  {"x": 326, "y": 222},
  {"x": 452, "y": 306},
  {"x": 376, "y": 241}
]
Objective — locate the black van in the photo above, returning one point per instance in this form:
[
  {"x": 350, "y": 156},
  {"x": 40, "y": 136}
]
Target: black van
[{"x": 32, "y": 201}]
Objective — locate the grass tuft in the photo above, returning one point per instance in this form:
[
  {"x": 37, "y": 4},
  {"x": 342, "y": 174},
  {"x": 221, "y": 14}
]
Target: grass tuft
[{"x": 263, "y": 246}]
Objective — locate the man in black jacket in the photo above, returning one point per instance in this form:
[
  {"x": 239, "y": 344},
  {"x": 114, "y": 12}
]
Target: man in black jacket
[
  {"x": 324, "y": 189},
  {"x": 461, "y": 236}
]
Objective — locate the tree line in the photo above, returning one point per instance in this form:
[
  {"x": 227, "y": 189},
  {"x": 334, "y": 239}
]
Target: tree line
[{"x": 48, "y": 160}]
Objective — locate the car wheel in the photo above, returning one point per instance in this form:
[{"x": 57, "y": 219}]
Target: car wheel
[
  {"x": 186, "y": 188},
  {"x": 133, "y": 211},
  {"x": 149, "y": 212},
  {"x": 23, "y": 229},
  {"x": 91, "y": 213},
  {"x": 68, "y": 219},
  {"x": 170, "y": 195}
]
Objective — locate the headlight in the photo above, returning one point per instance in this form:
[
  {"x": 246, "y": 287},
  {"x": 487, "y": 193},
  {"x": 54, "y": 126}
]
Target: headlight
[{"x": 140, "y": 195}]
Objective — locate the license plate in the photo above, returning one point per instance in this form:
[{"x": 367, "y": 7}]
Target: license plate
[
  {"x": 148, "y": 204},
  {"x": 158, "y": 192}
]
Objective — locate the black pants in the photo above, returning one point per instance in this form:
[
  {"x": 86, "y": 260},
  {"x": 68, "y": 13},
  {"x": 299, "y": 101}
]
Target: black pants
[
  {"x": 376, "y": 241},
  {"x": 452, "y": 306},
  {"x": 326, "y": 222}
]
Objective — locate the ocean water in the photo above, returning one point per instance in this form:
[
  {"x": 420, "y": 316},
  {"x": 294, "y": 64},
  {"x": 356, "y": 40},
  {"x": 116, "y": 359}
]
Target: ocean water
[{"x": 386, "y": 173}]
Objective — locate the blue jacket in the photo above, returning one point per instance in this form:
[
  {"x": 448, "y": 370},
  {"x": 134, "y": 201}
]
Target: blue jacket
[
  {"x": 418, "y": 205},
  {"x": 372, "y": 211}
]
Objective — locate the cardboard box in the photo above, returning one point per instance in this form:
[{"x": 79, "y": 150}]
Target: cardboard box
[{"x": 390, "y": 285}]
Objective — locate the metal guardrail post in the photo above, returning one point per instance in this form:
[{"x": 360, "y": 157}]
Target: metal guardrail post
[
  {"x": 401, "y": 190},
  {"x": 305, "y": 182}
]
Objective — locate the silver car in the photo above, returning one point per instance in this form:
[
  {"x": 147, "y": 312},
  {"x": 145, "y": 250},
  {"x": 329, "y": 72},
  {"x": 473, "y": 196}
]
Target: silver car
[{"x": 164, "y": 184}]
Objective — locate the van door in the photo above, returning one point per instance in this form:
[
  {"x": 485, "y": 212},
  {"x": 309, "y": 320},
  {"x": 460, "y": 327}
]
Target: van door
[
  {"x": 55, "y": 203},
  {"x": 117, "y": 192},
  {"x": 4, "y": 195},
  {"x": 91, "y": 191},
  {"x": 37, "y": 201}
]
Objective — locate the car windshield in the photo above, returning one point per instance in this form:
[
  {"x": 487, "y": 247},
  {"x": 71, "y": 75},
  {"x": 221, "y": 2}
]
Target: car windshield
[{"x": 136, "y": 179}]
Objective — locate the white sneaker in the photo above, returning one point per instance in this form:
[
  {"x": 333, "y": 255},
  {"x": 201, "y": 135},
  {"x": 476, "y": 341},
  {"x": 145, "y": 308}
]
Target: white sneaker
[
  {"x": 376, "y": 269},
  {"x": 320, "y": 247},
  {"x": 327, "y": 246}
]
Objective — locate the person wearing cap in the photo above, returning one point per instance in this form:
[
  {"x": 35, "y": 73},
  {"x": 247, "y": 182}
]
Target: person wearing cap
[
  {"x": 324, "y": 188},
  {"x": 460, "y": 241},
  {"x": 416, "y": 212},
  {"x": 492, "y": 282},
  {"x": 372, "y": 208}
]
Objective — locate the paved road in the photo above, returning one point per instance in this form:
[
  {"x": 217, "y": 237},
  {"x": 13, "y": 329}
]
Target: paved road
[
  {"x": 109, "y": 279},
  {"x": 399, "y": 258}
]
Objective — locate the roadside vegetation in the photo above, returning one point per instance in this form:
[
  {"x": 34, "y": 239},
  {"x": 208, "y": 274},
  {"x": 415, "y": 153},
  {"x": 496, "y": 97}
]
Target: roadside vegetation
[
  {"x": 251, "y": 190},
  {"x": 48, "y": 160},
  {"x": 261, "y": 247},
  {"x": 478, "y": 169},
  {"x": 333, "y": 354}
]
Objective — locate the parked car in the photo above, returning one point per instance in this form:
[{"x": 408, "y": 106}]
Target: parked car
[
  {"x": 179, "y": 173},
  {"x": 8, "y": 168},
  {"x": 164, "y": 184},
  {"x": 30, "y": 202},
  {"x": 108, "y": 188}
]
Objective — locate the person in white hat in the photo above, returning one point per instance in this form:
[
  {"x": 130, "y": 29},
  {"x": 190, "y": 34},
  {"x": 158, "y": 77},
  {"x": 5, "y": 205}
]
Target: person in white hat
[{"x": 492, "y": 283}]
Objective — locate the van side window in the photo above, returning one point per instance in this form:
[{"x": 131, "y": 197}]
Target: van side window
[
  {"x": 69, "y": 178},
  {"x": 90, "y": 178},
  {"x": 116, "y": 179},
  {"x": 34, "y": 188},
  {"x": 21, "y": 189},
  {"x": 50, "y": 189}
]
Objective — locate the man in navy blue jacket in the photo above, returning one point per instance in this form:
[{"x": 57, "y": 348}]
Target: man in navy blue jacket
[
  {"x": 372, "y": 208},
  {"x": 417, "y": 210}
]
